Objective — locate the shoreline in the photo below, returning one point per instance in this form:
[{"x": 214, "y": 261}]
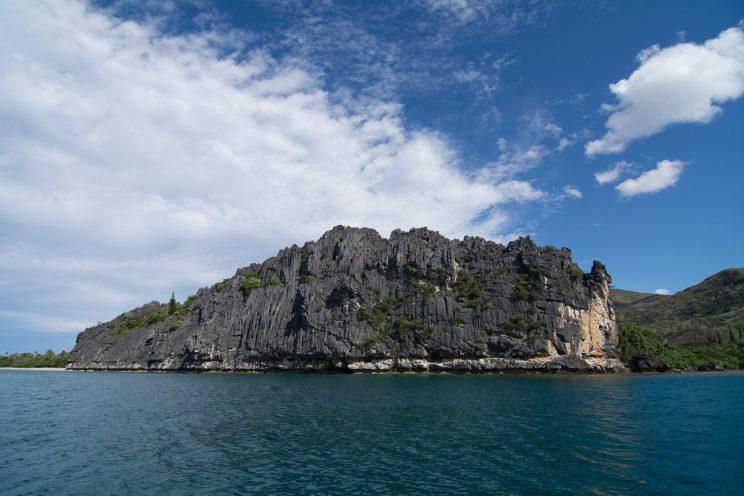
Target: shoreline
[
  {"x": 280, "y": 371},
  {"x": 52, "y": 369},
  {"x": 511, "y": 372}
]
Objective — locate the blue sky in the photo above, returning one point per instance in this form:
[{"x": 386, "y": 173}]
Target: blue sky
[{"x": 154, "y": 146}]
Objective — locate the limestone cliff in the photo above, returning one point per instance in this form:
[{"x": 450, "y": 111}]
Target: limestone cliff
[{"x": 355, "y": 301}]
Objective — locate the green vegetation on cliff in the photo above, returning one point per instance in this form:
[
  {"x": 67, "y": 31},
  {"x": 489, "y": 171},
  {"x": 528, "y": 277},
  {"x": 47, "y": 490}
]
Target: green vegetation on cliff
[
  {"x": 34, "y": 360},
  {"x": 638, "y": 341},
  {"x": 700, "y": 326}
]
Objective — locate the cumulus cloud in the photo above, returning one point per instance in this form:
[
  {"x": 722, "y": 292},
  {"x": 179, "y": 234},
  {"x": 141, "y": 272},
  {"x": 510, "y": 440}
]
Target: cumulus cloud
[
  {"x": 684, "y": 83},
  {"x": 134, "y": 162},
  {"x": 613, "y": 173},
  {"x": 663, "y": 291},
  {"x": 663, "y": 176}
]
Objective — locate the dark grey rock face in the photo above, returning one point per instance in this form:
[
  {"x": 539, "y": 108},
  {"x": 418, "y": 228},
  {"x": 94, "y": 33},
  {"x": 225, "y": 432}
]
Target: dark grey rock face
[
  {"x": 358, "y": 302},
  {"x": 649, "y": 363}
]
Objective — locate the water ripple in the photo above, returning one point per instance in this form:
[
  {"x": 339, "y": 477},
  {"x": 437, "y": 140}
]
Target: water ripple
[{"x": 118, "y": 433}]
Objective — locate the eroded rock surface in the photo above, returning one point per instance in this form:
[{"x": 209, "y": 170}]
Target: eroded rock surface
[
  {"x": 649, "y": 363},
  {"x": 355, "y": 301}
]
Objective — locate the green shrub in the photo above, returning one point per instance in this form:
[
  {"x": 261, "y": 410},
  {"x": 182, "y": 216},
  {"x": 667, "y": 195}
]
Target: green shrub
[
  {"x": 379, "y": 312},
  {"x": 441, "y": 277},
  {"x": 468, "y": 286},
  {"x": 494, "y": 331},
  {"x": 132, "y": 322},
  {"x": 533, "y": 326},
  {"x": 525, "y": 289},
  {"x": 153, "y": 318},
  {"x": 575, "y": 272},
  {"x": 273, "y": 281},
  {"x": 363, "y": 314},
  {"x": 403, "y": 324},
  {"x": 428, "y": 289},
  {"x": 371, "y": 341},
  {"x": 250, "y": 282},
  {"x": 636, "y": 340},
  {"x": 514, "y": 325}
]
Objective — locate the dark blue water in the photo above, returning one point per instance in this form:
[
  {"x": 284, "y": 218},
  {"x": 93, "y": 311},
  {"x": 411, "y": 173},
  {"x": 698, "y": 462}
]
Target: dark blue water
[{"x": 82, "y": 433}]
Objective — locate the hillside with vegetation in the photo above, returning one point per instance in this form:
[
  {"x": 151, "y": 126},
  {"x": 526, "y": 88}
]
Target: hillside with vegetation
[
  {"x": 702, "y": 326},
  {"x": 711, "y": 312}
]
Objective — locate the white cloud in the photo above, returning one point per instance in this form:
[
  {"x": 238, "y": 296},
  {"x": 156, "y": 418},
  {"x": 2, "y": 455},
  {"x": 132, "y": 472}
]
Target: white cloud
[
  {"x": 647, "y": 53},
  {"x": 613, "y": 173},
  {"x": 513, "y": 162},
  {"x": 485, "y": 84},
  {"x": 573, "y": 192},
  {"x": 359, "y": 46},
  {"x": 464, "y": 11},
  {"x": 134, "y": 162},
  {"x": 684, "y": 83},
  {"x": 571, "y": 139},
  {"x": 553, "y": 129},
  {"x": 662, "y": 291},
  {"x": 498, "y": 16},
  {"x": 564, "y": 143},
  {"x": 42, "y": 323},
  {"x": 663, "y": 176}
]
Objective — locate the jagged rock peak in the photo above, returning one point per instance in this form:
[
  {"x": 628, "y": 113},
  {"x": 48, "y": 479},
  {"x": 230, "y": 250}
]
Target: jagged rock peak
[{"x": 353, "y": 300}]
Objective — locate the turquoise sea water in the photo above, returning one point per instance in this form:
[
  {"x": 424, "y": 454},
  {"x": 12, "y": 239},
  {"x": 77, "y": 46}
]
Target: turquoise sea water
[{"x": 83, "y": 433}]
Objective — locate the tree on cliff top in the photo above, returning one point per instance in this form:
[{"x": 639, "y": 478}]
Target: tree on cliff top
[{"x": 172, "y": 305}]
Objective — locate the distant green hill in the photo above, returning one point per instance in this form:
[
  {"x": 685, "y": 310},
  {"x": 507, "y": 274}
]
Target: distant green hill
[
  {"x": 623, "y": 298},
  {"x": 708, "y": 313}
]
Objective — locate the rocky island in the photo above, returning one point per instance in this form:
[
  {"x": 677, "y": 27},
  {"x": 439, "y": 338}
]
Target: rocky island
[{"x": 355, "y": 301}]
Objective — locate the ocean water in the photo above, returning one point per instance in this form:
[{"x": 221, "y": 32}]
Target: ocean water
[{"x": 81, "y": 433}]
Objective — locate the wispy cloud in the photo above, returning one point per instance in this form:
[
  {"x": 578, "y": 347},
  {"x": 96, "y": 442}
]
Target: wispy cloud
[
  {"x": 362, "y": 46},
  {"x": 613, "y": 174},
  {"x": 133, "y": 162},
  {"x": 662, "y": 291},
  {"x": 501, "y": 17},
  {"x": 684, "y": 83},
  {"x": 513, "y": 161},
  {"x": 572, "y": 192}
]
